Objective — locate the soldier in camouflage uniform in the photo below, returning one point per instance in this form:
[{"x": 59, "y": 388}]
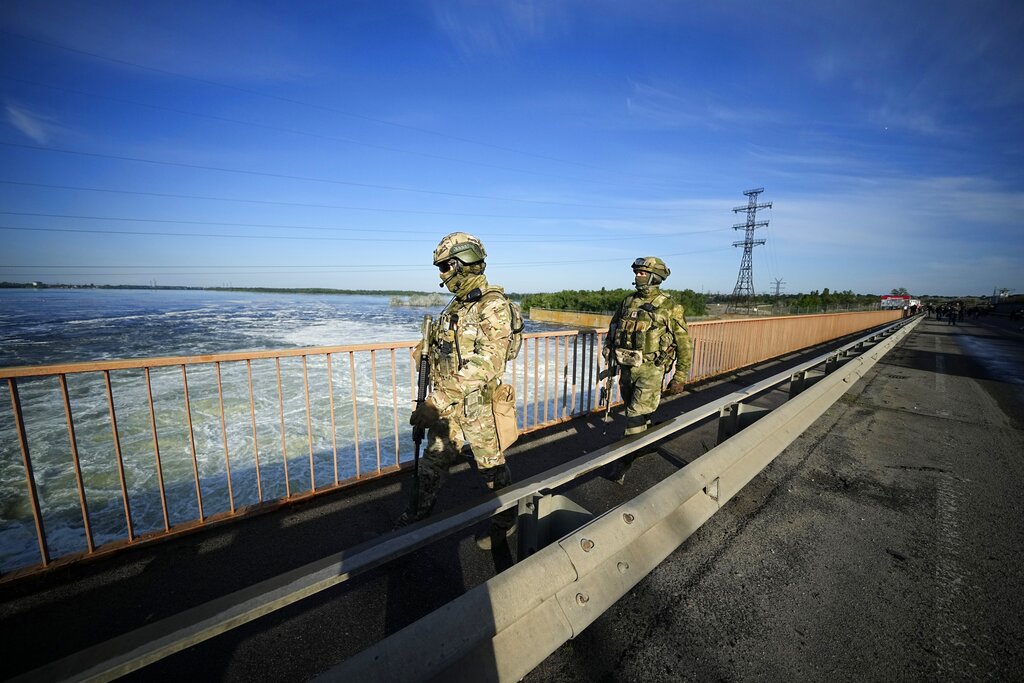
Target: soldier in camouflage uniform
[
  {"x": 467, "y": 348},
  {"x": 647, "y": 335}
]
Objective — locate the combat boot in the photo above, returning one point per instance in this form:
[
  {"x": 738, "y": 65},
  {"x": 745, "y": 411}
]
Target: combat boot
[
  {"x": 503, "y": 524},
  {"x": 636, "y": 424}
]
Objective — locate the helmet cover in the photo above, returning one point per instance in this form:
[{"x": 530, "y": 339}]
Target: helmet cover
[
  {"x": 652, "y": 264},
  {"x": 460, "y": 246}
]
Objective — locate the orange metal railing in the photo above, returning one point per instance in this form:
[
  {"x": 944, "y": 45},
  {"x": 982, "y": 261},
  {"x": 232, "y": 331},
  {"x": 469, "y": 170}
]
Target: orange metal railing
[{"x": 156, "y": 446}]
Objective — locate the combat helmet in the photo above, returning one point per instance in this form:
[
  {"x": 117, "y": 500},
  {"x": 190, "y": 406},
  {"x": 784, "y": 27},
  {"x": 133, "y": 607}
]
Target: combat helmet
[
  {"x": 460, "y": 259},
  {"x": 461, "y": 246},
  {"x": 652, "y": 264}
]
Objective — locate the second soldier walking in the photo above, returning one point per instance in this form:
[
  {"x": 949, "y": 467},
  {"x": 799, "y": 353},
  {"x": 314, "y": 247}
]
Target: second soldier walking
[{"x": 646, "y": 337}]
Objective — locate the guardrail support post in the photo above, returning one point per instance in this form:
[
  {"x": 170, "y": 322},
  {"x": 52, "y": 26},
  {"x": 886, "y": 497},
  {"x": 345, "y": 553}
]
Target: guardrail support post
[
  {"x": 831, "y": 363},
  {"x": 797, "y": 383},
  {"x": 543, "y": 519},
  {"x": 735, "y": 417}
]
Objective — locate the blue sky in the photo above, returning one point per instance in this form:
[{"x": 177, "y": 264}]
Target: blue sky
[{"x": 323, "y": 144}]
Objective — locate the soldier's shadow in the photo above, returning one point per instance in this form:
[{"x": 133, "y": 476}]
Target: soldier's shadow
[{"x": 431, "y": 577}]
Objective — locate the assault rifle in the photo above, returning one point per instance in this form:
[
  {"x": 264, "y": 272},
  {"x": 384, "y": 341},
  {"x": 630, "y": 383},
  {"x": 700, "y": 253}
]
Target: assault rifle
[
  {"x": 422, "y": 382},
  {"x": 608, "y": 375}
]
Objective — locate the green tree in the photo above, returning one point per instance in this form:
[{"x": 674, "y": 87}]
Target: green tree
[{"x": 606, "y": 300}]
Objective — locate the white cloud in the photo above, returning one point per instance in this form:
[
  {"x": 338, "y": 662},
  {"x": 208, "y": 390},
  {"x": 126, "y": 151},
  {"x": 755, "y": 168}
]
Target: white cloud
[
  {"x": 495, "y": 28},
  {"x": 942, "y": 235},
  {"x": 40, "y": 129},
  {"x": 671, "y": 108}
]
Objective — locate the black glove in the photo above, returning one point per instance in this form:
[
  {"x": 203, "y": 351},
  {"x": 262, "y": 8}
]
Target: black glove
[
  {"x": 424, "y": 415},
  {"x": 674, "y": 387}
]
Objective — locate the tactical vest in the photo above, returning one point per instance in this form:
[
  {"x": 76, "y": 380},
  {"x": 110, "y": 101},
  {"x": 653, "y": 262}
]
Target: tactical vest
[
  {"x": 639, "y": 329},
  {"x": 451, "y": 336}
]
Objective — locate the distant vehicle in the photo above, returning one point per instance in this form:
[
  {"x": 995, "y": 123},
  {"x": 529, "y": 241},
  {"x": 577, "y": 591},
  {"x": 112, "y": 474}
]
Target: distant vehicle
[{"x": 900, "y": 301}]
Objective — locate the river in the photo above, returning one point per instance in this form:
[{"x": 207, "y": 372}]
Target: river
[{"x": 50, "y": 326}]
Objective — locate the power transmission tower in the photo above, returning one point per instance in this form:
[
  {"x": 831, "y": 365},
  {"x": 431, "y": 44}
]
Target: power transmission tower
[
  {"x": 744, "y": 290},
  {"x": 778, "y": 291}
]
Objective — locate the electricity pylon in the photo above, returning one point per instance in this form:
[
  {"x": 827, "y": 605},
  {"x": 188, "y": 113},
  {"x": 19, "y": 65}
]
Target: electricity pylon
[{"x": 744, "y": 290}]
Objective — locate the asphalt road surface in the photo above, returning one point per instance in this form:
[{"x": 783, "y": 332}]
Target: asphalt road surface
[{"x": 883, "y": 544}]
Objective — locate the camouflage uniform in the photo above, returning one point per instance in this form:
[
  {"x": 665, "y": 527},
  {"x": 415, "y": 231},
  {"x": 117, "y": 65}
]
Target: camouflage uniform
[
  {"x": 648, "y": 325},
  {"x": 467, "y": 347}
]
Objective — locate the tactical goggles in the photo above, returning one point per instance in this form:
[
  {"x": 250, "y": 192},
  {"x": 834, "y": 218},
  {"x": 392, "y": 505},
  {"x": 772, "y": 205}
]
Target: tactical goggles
[
  {"x": 640, "y": 264},
  {"x": 445, "y": 266}
]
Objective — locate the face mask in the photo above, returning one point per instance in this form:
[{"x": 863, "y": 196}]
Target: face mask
[
  {"x": 455, "y": 281},
  {"x": 459, "y": 279},
  {"x": 642, "y": 279}
]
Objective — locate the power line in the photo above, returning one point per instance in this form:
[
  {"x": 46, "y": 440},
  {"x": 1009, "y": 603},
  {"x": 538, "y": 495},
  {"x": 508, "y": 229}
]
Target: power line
[
  {"x": 773, "y": 257},
  {"x": 314, "y": 106},
  {"x": 361, "y": 266},
  {"x": 549, "y": 236},
  {"x": 403, "y": 240},
  {"x": 318, "y": 136},
  {"x": 308, "y": 205},
  {"x": 212, "y": 234},
  {"x": 332, "y": 181}
]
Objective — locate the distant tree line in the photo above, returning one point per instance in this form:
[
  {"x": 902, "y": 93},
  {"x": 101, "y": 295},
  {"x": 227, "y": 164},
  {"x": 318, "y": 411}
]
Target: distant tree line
[
  {"x": 605, "y": 300},
  {"x": 826, "y": 299}
]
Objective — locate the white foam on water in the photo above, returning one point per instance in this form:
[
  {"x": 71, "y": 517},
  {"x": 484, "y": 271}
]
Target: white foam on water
[
  {"x": 331, "y": 333},
  {"x": 216, "y": 325}
]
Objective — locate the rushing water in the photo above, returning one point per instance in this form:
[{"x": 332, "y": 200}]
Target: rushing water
[
  {"x": 60, "y": 326},
  {"x": 68, "y": 325}
]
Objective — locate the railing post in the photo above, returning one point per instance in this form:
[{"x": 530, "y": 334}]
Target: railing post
[
  {"x": 76, "y": 462},
  {"x": 284, "y": 444},
  {"x": 309, "y": 423},
  {"x": 30, "y": 478},
  {"x": 224, "y": 432},
  {"x": 120, "y": 458},
  {"x": 192, "y": 444},
  {"x": 255, "y": 441},
  {"x": 156, "y": 451}
]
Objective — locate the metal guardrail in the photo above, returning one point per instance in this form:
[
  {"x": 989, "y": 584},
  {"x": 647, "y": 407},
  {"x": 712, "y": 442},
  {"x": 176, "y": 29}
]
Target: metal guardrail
[
  {"x": 530, "y": 585},
  {"x": 154, "y": 447},
  {"x": 503, "y": 628}
]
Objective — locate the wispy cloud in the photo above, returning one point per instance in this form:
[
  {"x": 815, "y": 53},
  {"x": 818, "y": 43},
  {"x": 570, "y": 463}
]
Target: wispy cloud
[
  {"x": 938, "y": 235},
  {"x": 39, "y": 128},
  {"x": 670, "y": 108},
  {"x": 185, "y": 38},
  {"x": 477, "y": 27}
]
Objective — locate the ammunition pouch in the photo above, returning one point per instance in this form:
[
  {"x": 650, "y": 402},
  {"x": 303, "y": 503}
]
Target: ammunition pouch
[
  {"x": 629, "y": 357},
  {"x": 503, "y": 405}
]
